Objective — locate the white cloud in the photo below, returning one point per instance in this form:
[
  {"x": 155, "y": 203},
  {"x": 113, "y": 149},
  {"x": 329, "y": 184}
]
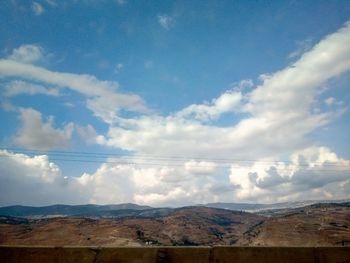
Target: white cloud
[
  {"x": 110, "y": 184},
  {"x": 88, "y": 133},
  {"x": 154, "y": 185},
  {"x": 118, "y": 68},
  {"x": 107, "y": 106},
  {"x": 69, "y": 104},
  {"x": 307, "y": 176},
  {"x": 302, "y": 47},
  {"x": 165, "y": 21},
  {"x": 331, "y": 101},
  {"x": 18, "y": 87},
  {"x": 314, "y": 172},
  {"x": 27, "y": 54},
  {"x": 7, "y": 106},
  {"x": 268, "y": 122},
  {"x": 279, "y": 113},
  {"x": 36, "y": 181},
  {"x": 37, "y": 8},
  {"x": 299, "y": 82},
  {"x": 201, "y": 167},
  {"x": 242, "y": 86},
  {"x": 121, "y": 2},
  {"x": 226, "y": 102},
  {"x": 102, "y": 96},
  {"x": 38, "y": 134},
  {"x": 51, "y": 3}
]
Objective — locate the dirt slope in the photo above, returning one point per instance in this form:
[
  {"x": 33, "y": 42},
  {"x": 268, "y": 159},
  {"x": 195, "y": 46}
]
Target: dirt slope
[
  {"x": 311, "y": 226},
  {"x": 184, "y": 226}
]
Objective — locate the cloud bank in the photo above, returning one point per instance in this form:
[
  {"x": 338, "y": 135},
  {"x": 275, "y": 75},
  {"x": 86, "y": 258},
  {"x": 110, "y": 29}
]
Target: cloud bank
[{"x": 270, "y": 122}]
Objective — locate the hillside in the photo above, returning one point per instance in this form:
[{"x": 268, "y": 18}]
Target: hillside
[
  {"x": 66, "y": 210},
  {"x": 314, "y": 225},
  {"x": 183, "y": 226}
]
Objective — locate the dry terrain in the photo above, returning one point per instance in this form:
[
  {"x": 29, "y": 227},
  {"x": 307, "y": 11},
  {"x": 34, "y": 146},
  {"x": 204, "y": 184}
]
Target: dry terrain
[
  {"x": 185, "y": 226},
  {"x": 316, "y": 225}
]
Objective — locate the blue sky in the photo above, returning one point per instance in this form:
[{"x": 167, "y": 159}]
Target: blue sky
[{"x": 259, "y": 81}]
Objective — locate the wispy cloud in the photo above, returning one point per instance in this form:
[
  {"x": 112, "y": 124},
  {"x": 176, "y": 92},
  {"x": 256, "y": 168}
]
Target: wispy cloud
[
  {"x": 51, "y": 3},
  {"x": 302, "y": 47},
  {"x": 121, "y": 2},
  {"x": 37, "y": 8},
  {"x": 18, "y": 87},
  {"x": 103, "y": 98},
  {"x": 165, "y": 21},
  {"x": 27, "y": 53},
  {"x": 118, "y": 68}
]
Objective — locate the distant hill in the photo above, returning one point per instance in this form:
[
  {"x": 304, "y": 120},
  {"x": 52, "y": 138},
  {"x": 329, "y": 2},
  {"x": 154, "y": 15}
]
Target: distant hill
[
  {"x": 236, "y": 206},
  {"x": 313, "y": 225},
  {"x": 321, "y": 224},
  {"x": 180, "y": 226},
  {"x": 251, "y": 207},
  {"x": 318, "y": 224},
  {"x": 129, "y": 209},
  {"x": 66, "y": 210}
]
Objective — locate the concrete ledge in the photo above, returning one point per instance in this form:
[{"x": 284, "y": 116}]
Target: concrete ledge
[{"x": 25, "y": 254}]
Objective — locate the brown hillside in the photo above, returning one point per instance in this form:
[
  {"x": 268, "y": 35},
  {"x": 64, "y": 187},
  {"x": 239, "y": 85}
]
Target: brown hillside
[
  {"x": 184, "y": 226},
  {"x": 310, "y": 226}
]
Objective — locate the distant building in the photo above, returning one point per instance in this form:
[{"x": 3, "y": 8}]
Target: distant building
[{"x": 345, "y": 243}]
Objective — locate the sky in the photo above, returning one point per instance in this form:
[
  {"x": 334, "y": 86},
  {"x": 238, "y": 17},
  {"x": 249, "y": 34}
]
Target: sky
[{"x": 173, "y": 103}]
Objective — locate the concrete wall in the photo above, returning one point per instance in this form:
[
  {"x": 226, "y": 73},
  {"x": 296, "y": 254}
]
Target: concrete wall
[{"x": 12, "y": 254}]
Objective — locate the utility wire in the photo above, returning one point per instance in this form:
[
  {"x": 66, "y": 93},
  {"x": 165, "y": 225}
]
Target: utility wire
[
  {"x": 138, "y": 157},
  {"x": 173, "y": 164}
]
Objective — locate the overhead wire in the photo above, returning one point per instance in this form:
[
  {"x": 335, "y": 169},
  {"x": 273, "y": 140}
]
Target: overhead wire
[
  {"x": 122, "y": 159},
  {"x": 149, "y": 156}
]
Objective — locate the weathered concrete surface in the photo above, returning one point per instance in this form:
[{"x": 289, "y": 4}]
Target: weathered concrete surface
[
  {"x": 13, "y": 254},
  {"x": 281, "y": 254}
]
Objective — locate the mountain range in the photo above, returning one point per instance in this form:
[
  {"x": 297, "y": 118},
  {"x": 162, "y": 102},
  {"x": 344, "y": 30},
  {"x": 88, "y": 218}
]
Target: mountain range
[
  {"x": 130, "y": 209},
  {"x": 319, "y": 224}
]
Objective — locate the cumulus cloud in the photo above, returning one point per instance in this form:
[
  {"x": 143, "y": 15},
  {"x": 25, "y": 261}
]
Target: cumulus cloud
[
  {"x": 120, "y": 180},
  {"x": 201, "y": 167},
  {"x": 88, "y": 133},
  {"x": 36, "y": 133},
  {"x": 279, "y": 113},
  {"x": 269, "y": 120},
  {"x": 226, "y": 102},
  {"x": 314, "y": 172},
  {"x": 36, "y": 181},
  {"x": 27, "y": 54}
]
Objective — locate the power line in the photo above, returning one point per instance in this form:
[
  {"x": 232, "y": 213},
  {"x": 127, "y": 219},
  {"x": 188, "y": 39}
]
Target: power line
[
  {"x": 173, "y": 165},
  {"x": 133, "y": 158}
]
